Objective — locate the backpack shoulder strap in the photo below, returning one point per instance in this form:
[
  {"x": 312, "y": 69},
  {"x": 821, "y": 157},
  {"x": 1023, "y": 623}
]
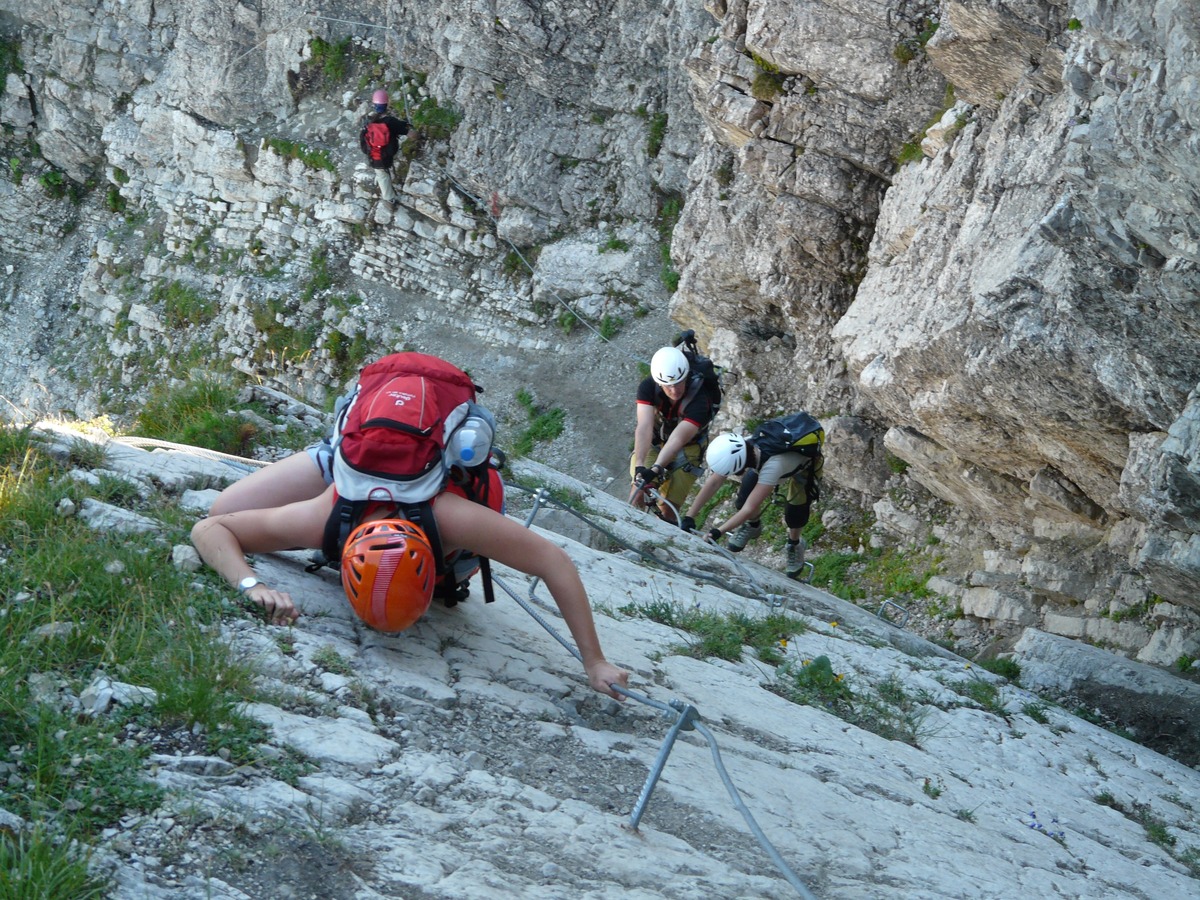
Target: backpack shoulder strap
[
  {"x": 421, "y": 515},
  {"x": 478, "y": 488},
  {"x": 342, "y": 519},
  {"x": 346, "y": 514},
  {"x": 696, "y": 384}
]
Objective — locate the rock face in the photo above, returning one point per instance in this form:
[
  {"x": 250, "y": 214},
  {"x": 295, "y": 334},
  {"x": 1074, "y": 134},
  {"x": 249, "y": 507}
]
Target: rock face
[
  {"x": 1022, "y": 336},
  {"x": 466, "y": 756},
  {"x": 1040, "y": 345},
  {"x": 961, "y": 232}
]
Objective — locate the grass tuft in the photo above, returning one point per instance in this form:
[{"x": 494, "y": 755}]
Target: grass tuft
[
  {"x": 886, "y": 710},
  {"x": 658, "y": 133},
  {"x": 723, "y": 635},
  {"x": 84, "y": 604},
  {"x": 435, "y": 122},
  {"x": 183, "y": 305},
  {"x": 36, "y": 864},
  {"x": 544, "y": 424},
  {"x": 313, "y": 159},
  {"x": 196, "y": 413},
  {"x": 332, "y": 59}
]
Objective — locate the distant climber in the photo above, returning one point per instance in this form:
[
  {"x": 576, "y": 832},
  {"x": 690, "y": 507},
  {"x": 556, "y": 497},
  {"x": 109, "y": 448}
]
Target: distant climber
[
  {"x": 380, "y": 141},
  {"x": 674, "y": 409},
  {"x": 787, "y": 449}
]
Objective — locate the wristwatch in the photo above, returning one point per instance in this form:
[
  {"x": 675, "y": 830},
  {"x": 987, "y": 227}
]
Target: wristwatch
[{"x": 248, "y": 582}]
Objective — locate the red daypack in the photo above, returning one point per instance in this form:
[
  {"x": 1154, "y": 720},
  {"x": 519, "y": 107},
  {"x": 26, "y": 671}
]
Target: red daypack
[
  {"x": 378, "y": 137},
  {"x": 389, "y": 442},
  {"x": 388, "y": 439}
]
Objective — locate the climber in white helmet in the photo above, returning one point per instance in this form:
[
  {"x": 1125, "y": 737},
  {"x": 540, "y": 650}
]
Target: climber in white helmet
[{"x": 674, "y": 409}]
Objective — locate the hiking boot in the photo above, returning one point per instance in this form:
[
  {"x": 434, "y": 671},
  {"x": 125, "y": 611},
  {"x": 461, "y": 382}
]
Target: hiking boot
[
  {"x": 793, "y": 563},
  {"x": 744, "y": 534}
]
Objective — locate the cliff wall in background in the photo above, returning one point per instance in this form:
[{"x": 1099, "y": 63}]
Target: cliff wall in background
[
  {"x": 971, "y": 249},
  {"x": 1021, "y": 332}
]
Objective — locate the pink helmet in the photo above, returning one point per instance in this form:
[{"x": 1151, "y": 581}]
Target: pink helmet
[{"x": 380, "y": 97}]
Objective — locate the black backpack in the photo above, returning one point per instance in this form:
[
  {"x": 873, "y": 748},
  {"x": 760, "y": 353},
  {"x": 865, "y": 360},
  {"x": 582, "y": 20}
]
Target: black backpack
[
  {"x": 799, "y": 433},
  {"x": 701, "y": 365}
]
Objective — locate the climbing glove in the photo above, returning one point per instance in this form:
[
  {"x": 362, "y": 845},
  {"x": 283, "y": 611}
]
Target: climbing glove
[{"x": 645, "y": 476}]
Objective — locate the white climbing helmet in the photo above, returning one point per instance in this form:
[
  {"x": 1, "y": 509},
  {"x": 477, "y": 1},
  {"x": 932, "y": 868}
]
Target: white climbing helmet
[
  {"x": 669, "y": 366},
  {"x": 727, "y": 454}
]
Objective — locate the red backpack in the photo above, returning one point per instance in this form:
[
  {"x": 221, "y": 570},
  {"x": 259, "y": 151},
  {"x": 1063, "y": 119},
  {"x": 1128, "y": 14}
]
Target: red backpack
[
  {"x": 390, "y": 440},
  {"x": 378, "y": 137}
]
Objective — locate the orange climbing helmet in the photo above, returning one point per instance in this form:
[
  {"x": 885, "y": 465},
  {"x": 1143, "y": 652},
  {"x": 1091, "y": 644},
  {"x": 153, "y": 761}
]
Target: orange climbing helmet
[{"x": 388, "y": 572}]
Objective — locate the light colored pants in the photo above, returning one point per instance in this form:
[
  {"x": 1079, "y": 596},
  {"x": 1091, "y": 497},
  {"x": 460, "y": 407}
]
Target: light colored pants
[{"x": 383, "y": 177}]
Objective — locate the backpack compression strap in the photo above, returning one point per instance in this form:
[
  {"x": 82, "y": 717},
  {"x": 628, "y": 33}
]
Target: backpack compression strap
[{"x": 472, "y": 488}]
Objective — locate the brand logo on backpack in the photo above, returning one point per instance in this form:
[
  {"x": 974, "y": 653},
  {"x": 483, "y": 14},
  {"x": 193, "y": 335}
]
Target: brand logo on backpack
[
  {"x": 401, "y": 397},
  {"x": 378, "y": 137}
]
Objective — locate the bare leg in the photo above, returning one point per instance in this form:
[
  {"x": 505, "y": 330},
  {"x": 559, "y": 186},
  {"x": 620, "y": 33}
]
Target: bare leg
[{"x": 287, "y": 481}]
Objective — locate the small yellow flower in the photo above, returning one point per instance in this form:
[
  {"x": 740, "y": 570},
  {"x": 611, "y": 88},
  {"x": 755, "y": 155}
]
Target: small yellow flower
[
  {"x": 967, "y": 666},
  {"x": 839, "y": 677},
  {"x": 833, "y": 624}
]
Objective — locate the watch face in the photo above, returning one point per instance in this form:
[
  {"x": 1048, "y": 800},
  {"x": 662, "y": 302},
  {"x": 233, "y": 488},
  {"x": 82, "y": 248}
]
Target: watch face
[{"x": 246, "y": 583}]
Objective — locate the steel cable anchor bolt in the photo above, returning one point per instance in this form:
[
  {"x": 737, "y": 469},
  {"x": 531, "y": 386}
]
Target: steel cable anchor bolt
[{"x": 688, "y": 715}]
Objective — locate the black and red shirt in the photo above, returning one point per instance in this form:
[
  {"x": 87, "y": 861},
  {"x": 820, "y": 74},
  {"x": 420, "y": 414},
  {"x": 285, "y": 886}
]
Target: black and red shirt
[{"x": 694, "y": 406}]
